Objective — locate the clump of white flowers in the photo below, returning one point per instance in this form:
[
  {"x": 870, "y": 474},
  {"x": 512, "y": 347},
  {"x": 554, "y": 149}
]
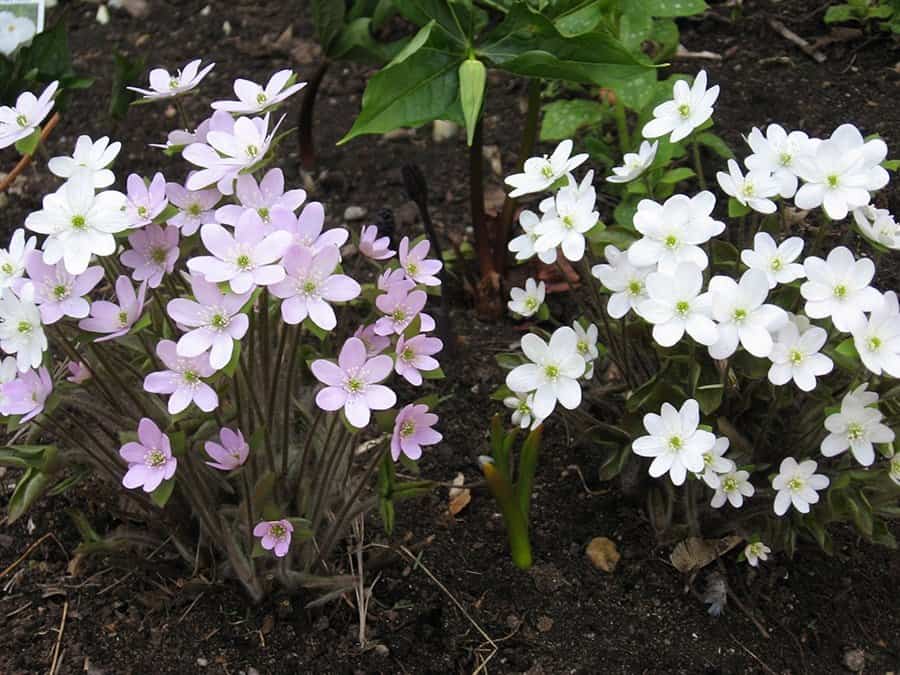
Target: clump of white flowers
[{"x": 754, "y": 342}]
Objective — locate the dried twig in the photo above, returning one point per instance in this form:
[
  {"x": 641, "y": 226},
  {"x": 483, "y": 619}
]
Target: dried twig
[
  {"x": 755, "y": 657},
  {"x": 62, "y": 627},
  {"x": 28, "y": 552},
  {"x": 795, "y": 39},
  {"x": 683, "y": 53},
  {"x": 26, "y": 159}
]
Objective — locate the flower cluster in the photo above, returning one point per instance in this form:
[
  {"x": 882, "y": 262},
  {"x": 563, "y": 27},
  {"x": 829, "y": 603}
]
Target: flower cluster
[
  {"x": 189, "y": 309},
  {"x": 690, "y": 305}
]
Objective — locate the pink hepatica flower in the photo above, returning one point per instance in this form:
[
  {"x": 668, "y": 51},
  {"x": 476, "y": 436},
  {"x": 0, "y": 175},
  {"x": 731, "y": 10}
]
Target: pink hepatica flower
[
  {"x": 306, "y": 229},
  {"x": 27, "y": 394},
  {"x": 275, "y": 536},
  {"x": 415, "y": 355},
  {"x": 352, "y": 384},
  {"x": 116, "y": 320},
  {"x": 150, "y": 460},
  {"x": 371, "y": 246},
  {"x": 416, "y": 265},
  {"x": 310, "y": 286},
  {"x": 412, "y": 430},
  {"x": 195, "y": 207},
  {"x": 254, "y": 99},
  {"x": 400, "y": 307},
  {"x": 167, "y": 85},
  {"x": 78, "y": 372},
  {"x": 22, "y": 120},
  {"x": 244, "y": 259},
  {"x": 179, "y": 138},
  {"x": 395, "y": 277},
  {"x": 231, "y": 453},
  {"x": 226, "y": 153},
  {"x": 213, "y": 322},
  {"x": 182, "y": 380},
  {"x": 375, "y": 343},
  {"x": 145, "y": 202},
  {"x": 263, "y": 198},
  {"x": 153, "y": 253},
  {"x": 58, "y": 293}
]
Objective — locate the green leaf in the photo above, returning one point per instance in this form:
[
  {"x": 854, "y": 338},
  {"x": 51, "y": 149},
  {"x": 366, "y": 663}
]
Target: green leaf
[
  {"x": 527, "y": 468},
  {"x": 451, "y": 17},
  {"x": 674, "y": 8},
  {"x": 635, "y": 25},
  {"x": 126, "y": 72},
  {"x": 676, "y": 175},
  {"x": 30, "y": 487},
  {"x": 28, "y": 145},
  {"x": 716, "y": 144},
  {"x": 529, "y": 44},
  {"x": 563, "y": 119},
  {"x": 328, "y": 20},
  {"x": 472, "y": 78},
  {"x": 421, "y": 87},
  {"x": 582, "y": 17},
  {"x": 355, "y": 43},
  {"x": 161, "y": 495},
  {"x": 839, "y": 14},
  {"x": 736, "y": 209}
]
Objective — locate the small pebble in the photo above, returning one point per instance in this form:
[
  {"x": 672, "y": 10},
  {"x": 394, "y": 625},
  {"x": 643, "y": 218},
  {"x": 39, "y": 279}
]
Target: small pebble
[
  {"x": 202, "y": 662},
  {"x": 854, "y": 660},
  {"x": 352, "y": 213}
]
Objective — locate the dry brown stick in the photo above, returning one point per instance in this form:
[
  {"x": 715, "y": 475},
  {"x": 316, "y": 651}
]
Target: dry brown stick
[
  {"x": 26, "y": 159},
  {"x": 62, "y": 627},
  {"x": 25, "y": 555},
  {"x": 793, "y": 38}
]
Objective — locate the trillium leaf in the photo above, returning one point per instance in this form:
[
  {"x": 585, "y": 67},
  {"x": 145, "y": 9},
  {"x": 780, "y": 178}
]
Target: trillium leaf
[
  {"x": 564, "y": 119},
  {"x": 674, "y": 8},
  {"x": 581, "y": 16},
  {"x": 472, "y": 78},
  {"x": 528, "y": 43},
  {"x": 416, "y": 88}
]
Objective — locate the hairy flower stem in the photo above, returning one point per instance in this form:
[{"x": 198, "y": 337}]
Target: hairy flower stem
[
  {"x": 101, "y": 458},
  {"x": 70, "y": 351},
  {"x": 117, "y": 378},
  {"x": 182, "y": 115},
  {"x": 257, "y": 409},
  {"x": 600, "y": 310},
  {"x": 698, "y": 165},
  {"x": 526, "y": 147},
  {"x": 622, "y": 126},
  {"x": 288, "y": 395},
  {"x": 305, "y": 118},
  {"x": 266, "y": 342},
  {"x": 690, "y": 507},
  {"x": 340, "y": 522},
  {"x": 248, "y": 502}
]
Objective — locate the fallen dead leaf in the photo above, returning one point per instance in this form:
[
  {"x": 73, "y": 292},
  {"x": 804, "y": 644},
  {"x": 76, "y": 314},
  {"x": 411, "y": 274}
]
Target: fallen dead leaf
[
  {"x": 603, "y": 554},
  {"x": 459, "y": 496},
  {"x": 695, "y": 553}
]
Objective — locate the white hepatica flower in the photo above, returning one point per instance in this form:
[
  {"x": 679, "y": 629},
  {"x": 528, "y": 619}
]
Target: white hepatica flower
[
  {"x": 542, "y": 172},
  {"x": 878, "y": 225},
  {"x": 14, "y": 31},
  {"x": 79, "y": 223},
  {"x": 524, "y": 245},
  {"x": 690, "y": 107},
  {"x": 254, "y": 99},
  {"x": 715, "y": 463},
  {"x": 733, "y": 487},
  {"x": 573, "y": 216},
  {"x": 22, "y": 120},
  {"x": 166, "y": 85},
  {"x": 752, "y": 190},
  {"x": 635, "y": 163},
  {"x": 674, "y": 442},
  {"x": 775, "y": 260},
  {"x": 587, "y": 346},
  {"x": 627, "y": 282},
  {"x": 856, "y": 427},
  {"x": 12, "y": 259},
  {"x": 743, "y": 315},
  {"x": 848, "y": 139},
  {"x": 527, "y": 301},
  {"x": 795, "y": 356},
  {"x": 673, "y": 231},
  {"x": 837, "y": 176},
  {"x": 878, "y": 341},
  {"x": 21, "y": 332},
  {"x": 776, "y": 153},
  {"x": 797, "y": 484},
  {"x": 674, "y": 305},
  {"x": 92, "y": 156},
  {"x": 226, "y": 153},
  {"x": 838, "y": 287},
  {"x": 553, "y": 372},
  {"x": 755, "y": 552},
  {"x": 522, "y": 413}
]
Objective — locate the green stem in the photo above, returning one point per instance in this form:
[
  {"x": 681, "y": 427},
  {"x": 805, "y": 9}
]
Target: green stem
[
  {"x": 622, "y": 126},
  {"x": 516, "y": 523},
  {"x": 698, "y": 165}
]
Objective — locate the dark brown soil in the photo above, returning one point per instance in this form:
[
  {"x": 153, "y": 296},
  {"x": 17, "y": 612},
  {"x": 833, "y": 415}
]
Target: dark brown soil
[{"x": 133, "y": 615}]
